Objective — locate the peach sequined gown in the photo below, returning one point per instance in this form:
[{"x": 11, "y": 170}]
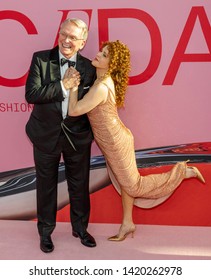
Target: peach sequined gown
[{"x": 117, "y": 145}]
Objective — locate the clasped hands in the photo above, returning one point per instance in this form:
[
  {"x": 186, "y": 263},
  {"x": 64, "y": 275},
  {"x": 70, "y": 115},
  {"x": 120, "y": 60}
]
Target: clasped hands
[{"x": 71, "y": 79}]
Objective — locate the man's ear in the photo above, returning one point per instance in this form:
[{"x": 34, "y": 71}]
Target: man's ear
[{"x": 82, "y": 45}]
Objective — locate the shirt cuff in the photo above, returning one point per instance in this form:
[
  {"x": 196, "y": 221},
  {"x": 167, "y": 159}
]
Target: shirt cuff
[{"x": 64, "y": 91}]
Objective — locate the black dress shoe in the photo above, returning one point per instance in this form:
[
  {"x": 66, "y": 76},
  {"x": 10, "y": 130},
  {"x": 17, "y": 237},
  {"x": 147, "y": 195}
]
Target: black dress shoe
[
  {"x": 46, "y": 244},
  {"x": 86, "y": 238}
]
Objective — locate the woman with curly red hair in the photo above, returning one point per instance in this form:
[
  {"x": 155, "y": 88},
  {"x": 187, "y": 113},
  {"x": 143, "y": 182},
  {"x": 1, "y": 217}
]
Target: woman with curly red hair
[{"x": 116, "y": 141}]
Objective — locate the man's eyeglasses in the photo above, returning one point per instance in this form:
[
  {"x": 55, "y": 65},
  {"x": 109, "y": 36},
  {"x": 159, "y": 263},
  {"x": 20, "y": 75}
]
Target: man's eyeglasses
[{"x": 71, "y": 38}]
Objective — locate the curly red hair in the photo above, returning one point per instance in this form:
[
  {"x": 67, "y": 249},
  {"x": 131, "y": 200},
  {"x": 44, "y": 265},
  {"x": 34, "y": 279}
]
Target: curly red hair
[{"x": 119, "y": 68}]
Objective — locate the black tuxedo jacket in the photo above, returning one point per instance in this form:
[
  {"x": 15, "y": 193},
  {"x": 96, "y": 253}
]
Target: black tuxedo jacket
[{"x": 43, "y": 89}]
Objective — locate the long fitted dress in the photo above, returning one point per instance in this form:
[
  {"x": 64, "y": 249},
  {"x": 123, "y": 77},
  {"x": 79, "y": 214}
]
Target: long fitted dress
[{"x": 116, "y": 142}]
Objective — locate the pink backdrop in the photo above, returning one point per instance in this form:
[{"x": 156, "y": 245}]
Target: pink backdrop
[{"x": 168, "y": 100}]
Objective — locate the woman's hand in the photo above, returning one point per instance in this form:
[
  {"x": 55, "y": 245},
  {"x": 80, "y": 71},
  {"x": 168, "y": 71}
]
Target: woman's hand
[{"x": 71, "y": 79}]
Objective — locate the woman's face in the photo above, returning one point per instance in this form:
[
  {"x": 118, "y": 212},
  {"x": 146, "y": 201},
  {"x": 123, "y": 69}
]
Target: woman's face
[{"x": 102, "y": 59}]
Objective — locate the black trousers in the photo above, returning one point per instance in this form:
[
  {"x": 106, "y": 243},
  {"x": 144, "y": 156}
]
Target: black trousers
[{"x": 77, "y": 168}]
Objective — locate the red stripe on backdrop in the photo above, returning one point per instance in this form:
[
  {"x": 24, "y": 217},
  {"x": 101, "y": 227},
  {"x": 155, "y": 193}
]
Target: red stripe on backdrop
[{"x": 188, "y": 206}]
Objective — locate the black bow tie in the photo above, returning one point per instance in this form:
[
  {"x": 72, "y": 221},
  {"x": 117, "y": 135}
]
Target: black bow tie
[{"x": 70, "y": 63}]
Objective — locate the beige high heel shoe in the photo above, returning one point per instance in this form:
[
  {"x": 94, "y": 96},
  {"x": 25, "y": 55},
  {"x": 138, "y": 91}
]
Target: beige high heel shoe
[
  {"x": 198, "y": 174},
  {"x": 121, "y": 238}
]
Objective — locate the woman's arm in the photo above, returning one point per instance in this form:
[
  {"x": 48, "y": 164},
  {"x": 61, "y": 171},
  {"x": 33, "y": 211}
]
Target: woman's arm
[{"x": 95, "y": 96}]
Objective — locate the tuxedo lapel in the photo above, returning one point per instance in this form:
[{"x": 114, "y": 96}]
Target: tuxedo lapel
[
  {"x": 54, "y": 65},
  {"x": 81, "y": 69},
  {"x": 55, "y": 74}
]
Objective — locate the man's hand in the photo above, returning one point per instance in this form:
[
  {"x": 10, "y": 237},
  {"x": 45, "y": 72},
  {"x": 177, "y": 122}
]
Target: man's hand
[{"x": 71, "y": 78}]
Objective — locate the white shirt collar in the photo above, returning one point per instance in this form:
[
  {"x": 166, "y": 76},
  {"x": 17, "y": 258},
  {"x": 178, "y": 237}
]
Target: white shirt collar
[{"x": 73, "y": 58}]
